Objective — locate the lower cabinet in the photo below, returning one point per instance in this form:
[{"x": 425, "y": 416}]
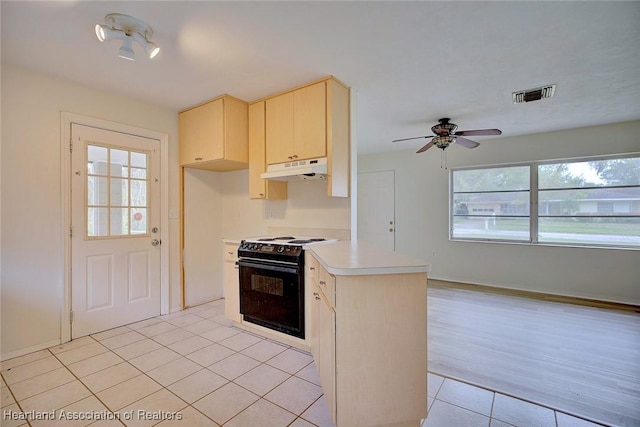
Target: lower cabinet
[
  {"x": 368, "y": 337},
  {"x": 231, "y": 283}
]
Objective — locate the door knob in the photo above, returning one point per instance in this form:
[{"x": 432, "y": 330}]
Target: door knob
[{"x": 155, "y": 242}]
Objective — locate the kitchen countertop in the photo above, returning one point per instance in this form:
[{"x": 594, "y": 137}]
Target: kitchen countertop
[
  {"x": 232, "y": 241},
  {"x": 353, "y": 258}
]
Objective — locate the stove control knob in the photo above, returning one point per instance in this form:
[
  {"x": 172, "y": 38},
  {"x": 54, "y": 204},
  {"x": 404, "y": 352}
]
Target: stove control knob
[{"x": 281, "y": 249}]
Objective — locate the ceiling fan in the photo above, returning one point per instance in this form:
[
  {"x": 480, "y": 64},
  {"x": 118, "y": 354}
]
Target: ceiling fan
[{"x": 445, "y": 134}]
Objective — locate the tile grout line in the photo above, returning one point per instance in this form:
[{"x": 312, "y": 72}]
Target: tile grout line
[{"x": 555, "y": 410}]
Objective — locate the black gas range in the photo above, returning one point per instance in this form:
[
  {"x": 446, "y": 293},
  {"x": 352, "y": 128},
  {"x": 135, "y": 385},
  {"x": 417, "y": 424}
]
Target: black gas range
[{"x": 272, "y": 281}]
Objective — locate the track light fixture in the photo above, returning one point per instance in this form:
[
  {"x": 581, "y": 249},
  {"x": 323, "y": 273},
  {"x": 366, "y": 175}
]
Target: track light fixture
[{"x": 128, "y": 29}]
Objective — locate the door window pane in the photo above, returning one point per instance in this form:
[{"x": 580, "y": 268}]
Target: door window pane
[
  {"x": 97, "y": 222},
  {"x": 119, "y": 221},
  {"x": 138, "y": 193},
  {"x": 119, "y": 162},
  {"x": 119, "y": 192},
  {"x": 138, "y": 220}
]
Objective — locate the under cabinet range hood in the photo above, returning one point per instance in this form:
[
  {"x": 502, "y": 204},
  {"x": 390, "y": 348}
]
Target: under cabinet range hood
[{"x": 297, "y": 170}]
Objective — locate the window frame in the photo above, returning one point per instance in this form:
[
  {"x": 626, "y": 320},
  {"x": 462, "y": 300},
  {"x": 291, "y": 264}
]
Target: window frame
[{"x": 534, "y": 190}]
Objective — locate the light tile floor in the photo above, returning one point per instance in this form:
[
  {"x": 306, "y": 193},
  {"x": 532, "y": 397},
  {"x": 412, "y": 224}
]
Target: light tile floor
[{"x": 193, "y": 368}]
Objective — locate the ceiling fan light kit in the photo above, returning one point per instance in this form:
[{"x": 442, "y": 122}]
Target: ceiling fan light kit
[{"x": 128, "y": 29}]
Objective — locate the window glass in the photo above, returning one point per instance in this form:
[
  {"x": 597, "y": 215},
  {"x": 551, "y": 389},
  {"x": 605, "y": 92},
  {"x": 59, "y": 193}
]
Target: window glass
[
  {"x": 590, "y": 202},
  {"x": 491, "y": 204},
  {"x": 117, "y": 199}
]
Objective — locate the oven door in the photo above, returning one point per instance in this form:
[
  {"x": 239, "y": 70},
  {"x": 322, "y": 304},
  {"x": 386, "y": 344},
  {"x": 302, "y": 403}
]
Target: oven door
[{"x": 272, "y": 295}]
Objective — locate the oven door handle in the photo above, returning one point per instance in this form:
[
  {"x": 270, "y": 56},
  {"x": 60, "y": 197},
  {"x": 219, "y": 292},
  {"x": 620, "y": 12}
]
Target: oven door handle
[{"x": 265, "y": 266}]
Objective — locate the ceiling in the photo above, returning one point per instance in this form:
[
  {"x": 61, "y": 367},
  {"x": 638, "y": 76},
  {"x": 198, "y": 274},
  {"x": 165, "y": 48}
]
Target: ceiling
[{"x": 409, "y": 62}]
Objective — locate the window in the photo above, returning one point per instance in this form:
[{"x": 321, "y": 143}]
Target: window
[
  {"x": 491, "y": 203},
  {"x": 116, "y": 192},
  {"x": 591, "y": 202}
]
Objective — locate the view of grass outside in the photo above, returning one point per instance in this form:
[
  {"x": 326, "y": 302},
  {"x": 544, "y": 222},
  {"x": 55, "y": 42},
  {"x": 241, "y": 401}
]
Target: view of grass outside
[{"x": 594, "y": 203}]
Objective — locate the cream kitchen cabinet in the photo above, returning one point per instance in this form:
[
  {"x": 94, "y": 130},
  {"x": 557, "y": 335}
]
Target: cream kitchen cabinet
[
  {"x": 368, "y": 337},
  {"x": 296, "y": 124},
  {"x": 261, "y": 188},
  {"x": 308, "y": 122},
  {"x": 231, "y": 283},
  {"x": 214, "y": 135}
]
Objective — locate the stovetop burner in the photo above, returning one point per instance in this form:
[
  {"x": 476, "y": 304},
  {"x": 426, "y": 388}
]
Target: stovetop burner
[{"x": 305, "y": 241}]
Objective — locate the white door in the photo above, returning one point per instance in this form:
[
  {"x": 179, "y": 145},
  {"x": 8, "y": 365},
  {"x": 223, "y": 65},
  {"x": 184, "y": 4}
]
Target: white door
[
  {"x": 376, "y": 208},
  {"x": 115, "y": 220}
]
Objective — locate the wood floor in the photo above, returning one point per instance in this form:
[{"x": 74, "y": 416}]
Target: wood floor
[{"x": 572, "y": 358}]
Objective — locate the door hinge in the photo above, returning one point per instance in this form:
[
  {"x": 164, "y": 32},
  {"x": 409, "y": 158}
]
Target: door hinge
[
  {"x": 71, "y": 232},
  {"x": 71, "y": 316},
  {"x": 71, "y": 146}
]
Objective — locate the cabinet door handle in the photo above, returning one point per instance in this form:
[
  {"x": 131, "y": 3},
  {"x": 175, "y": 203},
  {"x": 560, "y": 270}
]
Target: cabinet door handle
[
  {"x": 295, "y": 156},
  {"x": 312, "y": 268},
  {"x": 290, "y": 157},
  {"x": 316, "y": 294},
  {"x": 322, "y": 282},
  {"x": 230, "y": 253},
  {"x": 261, "y": 194},
  {"x": 318, "y": 298},
  {"x": 198, "y": 158}
]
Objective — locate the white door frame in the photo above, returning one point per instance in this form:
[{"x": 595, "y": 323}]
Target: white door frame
[{"x": 66, "y": 120}]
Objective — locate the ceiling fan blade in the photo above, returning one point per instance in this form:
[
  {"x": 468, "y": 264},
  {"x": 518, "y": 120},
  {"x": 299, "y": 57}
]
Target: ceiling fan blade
[
  {"x": 478, "y": 132},
  {"x": 425, "y": 148},
  {"x": 415, "y": 137},
  {"x": 466, "y": 142}
]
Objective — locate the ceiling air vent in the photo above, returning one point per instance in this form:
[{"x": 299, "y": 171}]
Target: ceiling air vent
[{"x": 536, "y": 94}]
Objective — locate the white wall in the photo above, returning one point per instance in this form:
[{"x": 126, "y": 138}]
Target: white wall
[
  {"x": 307, "y": 206},
  {"x": 422, "y": 218},
  {"x": 202, "y": 236},
  {"x": 32, "y": 235}
]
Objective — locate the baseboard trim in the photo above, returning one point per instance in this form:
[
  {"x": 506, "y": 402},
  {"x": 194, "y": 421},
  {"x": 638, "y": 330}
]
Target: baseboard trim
[
  {"x": 32, "y": 349},
  {"x": 537, "y": 295}
]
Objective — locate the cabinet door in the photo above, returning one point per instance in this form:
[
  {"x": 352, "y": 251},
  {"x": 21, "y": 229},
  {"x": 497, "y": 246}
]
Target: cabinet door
[
  {"x": 326, "y": 361},
  {"x": 201, "y": 133},
  {"x": 257, "y": 187},
  {"x": 312, "y": 321},
  {"x": 231, "y": 283},
  {"x": 310, "y": 122},
  {"x": 261, "y": 188},
  {"x": 279, "y": 128}
]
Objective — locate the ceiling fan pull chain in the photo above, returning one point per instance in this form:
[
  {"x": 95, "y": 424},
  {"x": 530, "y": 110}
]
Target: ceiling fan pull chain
[{"x": 443, "y": 159}]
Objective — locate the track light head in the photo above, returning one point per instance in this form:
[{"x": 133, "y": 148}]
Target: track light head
[
  {"x": 150, "y": 48},
  {"x": 125, "y": 51},
  {"x": 105, "y": 33}
]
